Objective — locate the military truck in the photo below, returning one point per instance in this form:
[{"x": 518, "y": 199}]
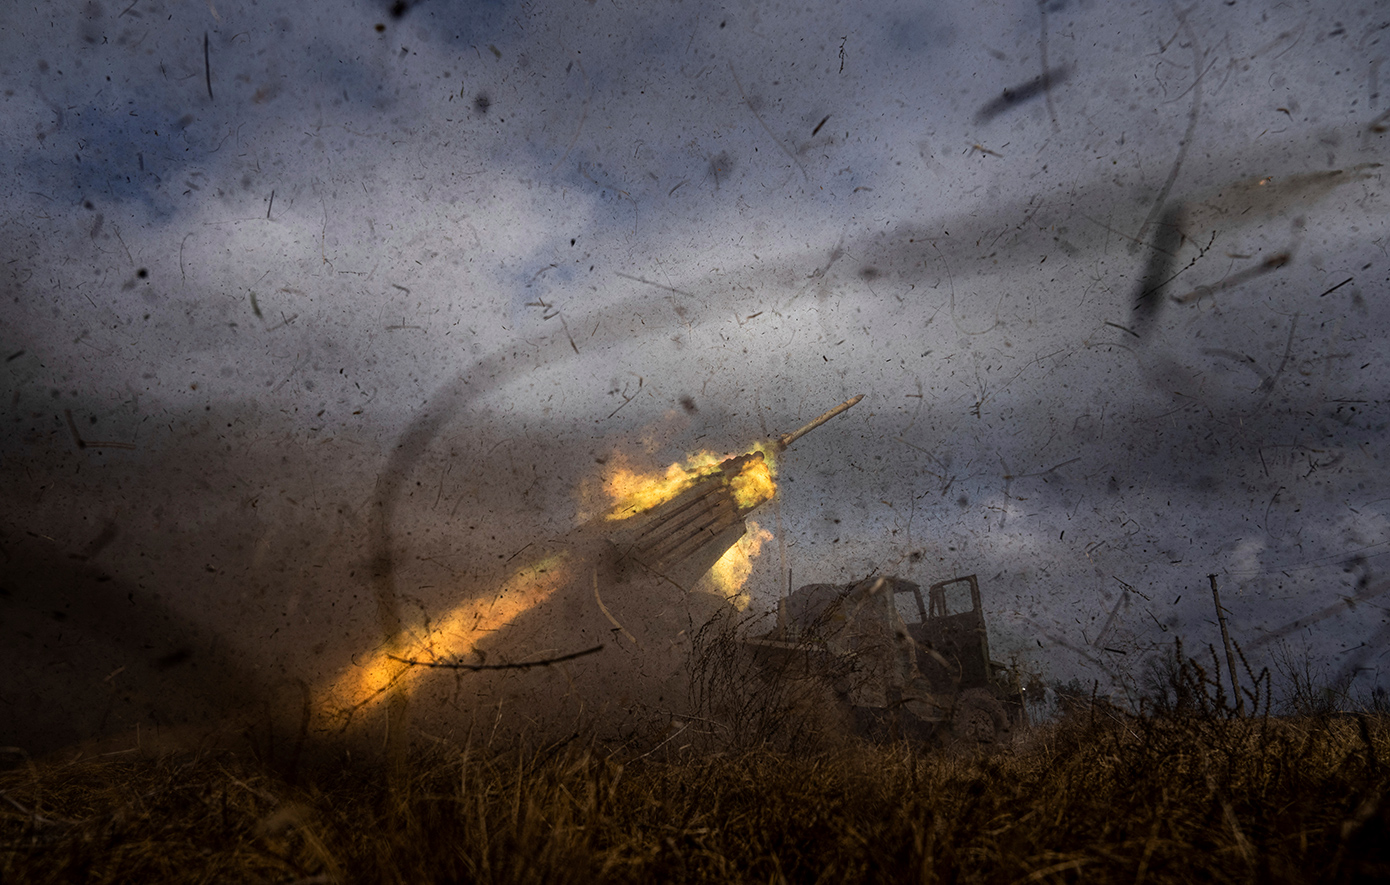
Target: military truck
[
  {"x": 896, "y": 660},
  {"x": 900, "y": 662}
]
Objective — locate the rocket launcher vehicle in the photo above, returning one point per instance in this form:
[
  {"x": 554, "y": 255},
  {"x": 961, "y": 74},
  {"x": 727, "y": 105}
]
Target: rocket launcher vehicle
[{"x": 681, "y": 539}]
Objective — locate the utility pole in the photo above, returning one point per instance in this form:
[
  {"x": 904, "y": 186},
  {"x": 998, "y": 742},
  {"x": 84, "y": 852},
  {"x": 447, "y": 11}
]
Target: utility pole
[{"x": 1226, "y": 638}]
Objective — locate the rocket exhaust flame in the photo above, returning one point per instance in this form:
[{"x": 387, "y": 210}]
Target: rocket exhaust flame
[
  {"x": 751, "y": 484},
  {"x": 678, "y": 527},
  {"x": 455, "y": 635},
  {"x": 731, "y": 572},
  {"x": 684, "y": 526}
]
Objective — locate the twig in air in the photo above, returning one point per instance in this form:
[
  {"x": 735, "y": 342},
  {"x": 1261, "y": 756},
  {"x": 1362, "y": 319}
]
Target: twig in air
[
  {"x": 652, "y": 283},
  {"x": 207, "y": 66},
  {"x": 183, "y": 272},
  {"x": 72, "y": 426},
  {"x": 627, "y": 399},
  {"x": 566, "y": 326},
  {"x": 609, "y": 615},
  {"x": 551, "y": 313},
  {"x": 284, "y": 321},
  {"x": 1196, "y": 89},
  {"x": 92, "y": 444},
  {"x": 1274, "y": 262},
  {"x": 474, "y": 668},
  {"x": 1014, "y": 96},
  {"x": 1336, "y": 287},
  {"x": 759, "y": 118}
]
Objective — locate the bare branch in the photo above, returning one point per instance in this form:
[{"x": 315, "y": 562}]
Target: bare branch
[{"x": 521, "y": 665}]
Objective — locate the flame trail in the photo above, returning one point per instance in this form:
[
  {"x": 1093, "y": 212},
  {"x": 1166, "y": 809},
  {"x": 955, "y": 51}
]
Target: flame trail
[
  {"x": 362, "y": 686},
  {"x": 685, "y": 525}
]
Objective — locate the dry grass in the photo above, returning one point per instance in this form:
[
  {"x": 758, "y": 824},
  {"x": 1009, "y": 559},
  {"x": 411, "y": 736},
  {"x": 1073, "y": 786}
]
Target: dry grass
[{"x": 1101, "y": 796}]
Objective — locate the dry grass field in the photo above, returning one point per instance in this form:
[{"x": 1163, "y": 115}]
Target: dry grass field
[{"x": 1099, "y": 796}]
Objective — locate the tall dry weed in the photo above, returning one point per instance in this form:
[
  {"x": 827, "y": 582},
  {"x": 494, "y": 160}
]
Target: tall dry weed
[{"x": 1100, "y": 795}]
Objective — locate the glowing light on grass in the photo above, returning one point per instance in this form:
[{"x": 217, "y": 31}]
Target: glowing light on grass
[{"x": 454, "y": 636}]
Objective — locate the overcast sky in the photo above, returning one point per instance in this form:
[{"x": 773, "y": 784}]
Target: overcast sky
[{"x": 283, "y": 281}]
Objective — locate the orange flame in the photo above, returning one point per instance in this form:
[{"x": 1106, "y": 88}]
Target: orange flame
[
  {"x": 733, "y": 568},
  {"x": 451, "y": 637},
  {"x": 753, "y": 485},
  {"x": 633, "y": 492}
]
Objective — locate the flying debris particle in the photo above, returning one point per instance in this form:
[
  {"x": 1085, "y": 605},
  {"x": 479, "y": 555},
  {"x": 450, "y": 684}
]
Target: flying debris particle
[
  {"x": 819, "y": 125},
  {"x": 689, "y": 405},
  {"x": 518, "y": 665},
  {"x": 1167, "y": 239},
  {"x": 1017, "y": 95},
  {"x": 72, "y": 426},
  {"x": 207, "y": 66},
  {"x": 1161, "y": 201},
  {"x": 481, "y": 103},
  {"x": 754, "y": 110},
  {"x": 651, "y": 283},
  {"x": 1274, "y": 262},
  {"x": 1328, "y": 292}
]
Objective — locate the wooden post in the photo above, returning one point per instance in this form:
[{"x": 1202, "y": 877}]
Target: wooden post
[{"x": 1226, "y": 638}]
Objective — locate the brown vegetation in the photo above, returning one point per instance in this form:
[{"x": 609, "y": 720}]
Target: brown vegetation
[{"x": 1099, "y": 796}]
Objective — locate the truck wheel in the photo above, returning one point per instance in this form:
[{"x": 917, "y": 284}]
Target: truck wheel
[{"x": 979, "y": 718}]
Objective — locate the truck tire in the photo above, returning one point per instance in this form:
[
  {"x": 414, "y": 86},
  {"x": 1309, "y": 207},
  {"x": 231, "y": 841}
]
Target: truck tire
[{"x": 979, "y": 718}]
